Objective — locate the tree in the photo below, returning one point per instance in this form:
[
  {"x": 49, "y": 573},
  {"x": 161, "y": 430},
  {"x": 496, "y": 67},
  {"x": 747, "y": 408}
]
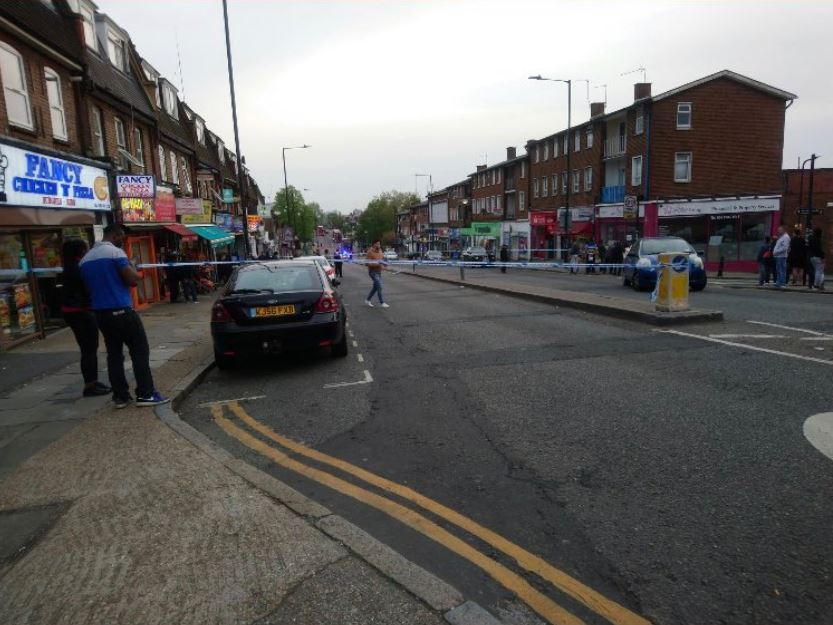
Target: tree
[
  {"x": 298, "y": 215},
  {"x": 378, "y": 220},
  {"x": 336, "y": 220}
]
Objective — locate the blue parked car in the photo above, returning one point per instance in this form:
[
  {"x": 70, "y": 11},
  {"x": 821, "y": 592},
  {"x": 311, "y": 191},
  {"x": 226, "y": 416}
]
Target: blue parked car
[{"x": 640, "y": 269}]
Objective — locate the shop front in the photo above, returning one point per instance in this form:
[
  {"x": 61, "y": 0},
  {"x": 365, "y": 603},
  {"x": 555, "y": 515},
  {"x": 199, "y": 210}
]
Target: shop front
[
  {"x": 45, "y": 198},
  {"x": 613, "y": 224},
  {"x": 728, "y": 229},
  {"x": 486, "y": 234},
  {"x": 542, "y": 234},
  {"x": 515, "y": 236}
]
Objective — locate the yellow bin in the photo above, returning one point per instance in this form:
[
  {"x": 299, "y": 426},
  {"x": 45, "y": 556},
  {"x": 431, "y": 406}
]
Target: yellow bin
[{"x": 672, "y": 283}]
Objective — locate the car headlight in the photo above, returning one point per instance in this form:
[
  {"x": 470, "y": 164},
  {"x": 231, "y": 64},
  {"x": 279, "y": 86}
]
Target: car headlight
[
  {"x": 696, "y": 261},
  {"x": 643, "y": 263}
]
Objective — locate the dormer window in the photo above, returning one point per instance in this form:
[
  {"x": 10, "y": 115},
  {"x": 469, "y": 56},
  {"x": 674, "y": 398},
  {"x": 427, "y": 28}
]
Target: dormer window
[
  {"x": 221, "y": 152},
  {"x": 169, "y": 100},
  {"x": 200, "y": 131},
  {"x": 116, "y": 50},
  {"x": 88, "y": 16}
]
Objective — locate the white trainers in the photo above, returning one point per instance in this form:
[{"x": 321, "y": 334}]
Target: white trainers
[
  {"x": 385, "y": 306},
  {"x": 368, "y": 302}
]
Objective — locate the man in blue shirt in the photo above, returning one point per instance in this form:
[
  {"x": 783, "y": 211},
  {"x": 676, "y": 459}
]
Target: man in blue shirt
[{"x": 109, "y": 276}]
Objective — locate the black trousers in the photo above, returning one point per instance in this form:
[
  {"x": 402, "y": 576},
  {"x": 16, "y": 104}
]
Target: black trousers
[
  {"x": 85, "y": 329},
  {"x": 189, "y": 289},
  {"x": 339, "y": 270},
  {"x": 121, "y": 327}
]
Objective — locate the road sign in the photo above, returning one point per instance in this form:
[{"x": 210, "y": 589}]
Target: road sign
[
  {"x": 809, "y": 211},
  {"x": 629, "y": 207}
]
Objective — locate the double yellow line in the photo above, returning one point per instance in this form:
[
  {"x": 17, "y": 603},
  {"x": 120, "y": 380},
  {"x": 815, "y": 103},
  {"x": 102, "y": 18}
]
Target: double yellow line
[{"x": 543, "y": 605}]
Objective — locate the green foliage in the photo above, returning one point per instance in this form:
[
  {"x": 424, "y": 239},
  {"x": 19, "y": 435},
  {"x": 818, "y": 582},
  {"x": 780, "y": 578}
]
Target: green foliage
[
  {"x": 296, "y": 213},
  {"x": 336, "y": 220},
  {"x": 378, "y": 220}
]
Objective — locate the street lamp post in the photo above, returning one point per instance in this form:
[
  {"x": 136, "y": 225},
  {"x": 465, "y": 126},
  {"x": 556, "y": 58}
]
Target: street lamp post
[
  {"x": 430, "y": 224},
  {"x": 808, "y": 221},
  {"x": 567, "y": 215},
  {"x": 289, "y": 210}
]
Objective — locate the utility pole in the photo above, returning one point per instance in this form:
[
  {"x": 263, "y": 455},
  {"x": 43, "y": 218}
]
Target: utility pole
[{"x": 809, "y": 221}]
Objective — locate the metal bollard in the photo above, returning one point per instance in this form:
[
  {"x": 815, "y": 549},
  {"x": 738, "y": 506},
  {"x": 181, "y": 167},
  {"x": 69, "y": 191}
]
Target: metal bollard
[
  {"x": 462, "y": 273},
  {"x": 720, "y": 267}
]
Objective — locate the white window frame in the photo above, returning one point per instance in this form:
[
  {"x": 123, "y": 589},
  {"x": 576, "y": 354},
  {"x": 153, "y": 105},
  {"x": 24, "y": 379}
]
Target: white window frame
[
  {"x": 169, "y": 100},
  {"x": 576, "y": 180},
  {"x": 636, "y": 167},
  {"x": 522, "y": 200},
  {"x": 547, "y": 151},
  {"x": 163, "y": 167},
  {"x": 535, "y": 188},
  {"x": 639, "y": 123},
  {"x": 537, "y": 153},
  {"x": 21, "y": 92},
  {"x": 186, "y": 175},
  {"x": 565, "y": 143},
  {"x": 577, "y": 141},
  {"x": 56, "y": 108},
  {"x": 200, "y": 131},
  {"x": 116, "y": 50},
  {"x": 555, "y": 148},
  {"x": 687, "y": 158},
  {"x": 138, "y": 146},
  {"x": 97, "y": 130},
  {"x": 523, "y": 169},
  {"x": 545, "y": 190},
  {"x": 588, "y": 178},
  {"x": 221, "y": 152},
  {"x": 554, "y": 185},
  {"x": 684, "y": 108},
  {"x": 499, "y": 200},
  {"x": 88, "y": 17},
  {"x": 497, "y": 176},
  {"x": 174, "y": 168},
  {"x": 588, "y": 139},
  {"x": 564, "y": 182},
  {"x": 121, "y": 141}
]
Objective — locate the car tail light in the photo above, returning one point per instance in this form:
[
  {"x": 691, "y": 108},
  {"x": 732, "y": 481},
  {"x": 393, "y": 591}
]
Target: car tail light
[
  {"x": 327, "y": 304},
  {"x": 220, "y": 313}
]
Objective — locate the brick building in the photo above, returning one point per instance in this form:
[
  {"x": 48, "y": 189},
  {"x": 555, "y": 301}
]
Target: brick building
[{"x": 796, "y": 190}]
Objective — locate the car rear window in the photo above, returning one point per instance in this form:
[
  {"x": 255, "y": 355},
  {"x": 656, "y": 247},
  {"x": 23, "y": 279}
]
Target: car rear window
[
  {"x": 658, "y": 246},
  {"x": 277, "y": 279}
]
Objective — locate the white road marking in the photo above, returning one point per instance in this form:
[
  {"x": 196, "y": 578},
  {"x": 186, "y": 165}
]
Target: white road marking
[
  {"x": 818, "y": 429},
  {"x": 220, "y": 402},
  {"x": 778, "y": 325},
  {"x": 750, "y": 347},
  {"x": 816, "y": 338},
  {"x": 367, "y": 380},
  {"x": 747, "y": 336},
  {"x": 360, "y": 357},
  {"x": 350, "y": 332},
  {"x": 355, "y": 344}
]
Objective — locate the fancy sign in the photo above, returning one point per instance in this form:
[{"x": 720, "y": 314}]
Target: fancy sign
[
  {"x": 135, "y": 186},
  {"x": 46, "y": 181}
]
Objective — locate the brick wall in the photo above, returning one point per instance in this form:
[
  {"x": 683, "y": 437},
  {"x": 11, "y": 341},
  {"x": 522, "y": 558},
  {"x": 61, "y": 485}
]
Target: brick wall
[
  {"x": 488, "y": 189},
  {"x": 34, "y": 63},
  {"x": 822, "y": 194},
  {"x": 736, "y": 140},
  {"x": 109, "y": 113}
]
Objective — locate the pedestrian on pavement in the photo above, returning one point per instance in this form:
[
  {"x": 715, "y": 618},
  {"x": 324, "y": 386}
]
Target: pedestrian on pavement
[
  {"x": 504, "y": 257},
  {"x": 338, "y": 264},
  {"x": 780, "y": 252},
  {"x": 375, "y": 261},
  {"x": 816, "y": 251},
  {"x": 188, "y": 280},
  {"x": 173, "y": 273},
  {"x": 602, "y": 257},
  {"x": 77, "y": 312},
  {"x": 764, "y": 256},
  {"x": 109, "y": 276},
  {"x": 797, "y": 257}
]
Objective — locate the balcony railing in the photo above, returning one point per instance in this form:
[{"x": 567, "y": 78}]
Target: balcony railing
[
  {"x": 613, "y": 195},
  {"x": 615, "y": 146}
]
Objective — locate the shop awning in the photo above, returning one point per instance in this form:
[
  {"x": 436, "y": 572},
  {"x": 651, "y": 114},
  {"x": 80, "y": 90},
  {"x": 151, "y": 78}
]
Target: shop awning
[
  {"x": 214, "y": 235},
  {"x": 179, "y": 229}
]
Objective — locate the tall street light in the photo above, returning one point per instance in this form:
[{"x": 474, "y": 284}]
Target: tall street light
[
  {"x": 290, "y": 211},
  {"x": 430, "y": 190},
  {"x": 243, "y": 201},
  {"x": 567, "y": 215}
]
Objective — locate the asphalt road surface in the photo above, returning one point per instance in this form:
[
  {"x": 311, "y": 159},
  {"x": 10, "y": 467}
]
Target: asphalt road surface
[{"x": 575, "y": 467}]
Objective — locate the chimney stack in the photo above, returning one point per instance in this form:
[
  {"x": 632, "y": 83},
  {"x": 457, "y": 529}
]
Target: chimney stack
[
  {"x": 510, "y": 153},
  {"x": 481, "y": 167},
  {"x": 597, "y": 108},
  {"x": 641, "y": 90}
]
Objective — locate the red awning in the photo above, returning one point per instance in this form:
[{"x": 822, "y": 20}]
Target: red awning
[
  {"x": 179, "y": 229},
  {"x": 577, "y": 228}
]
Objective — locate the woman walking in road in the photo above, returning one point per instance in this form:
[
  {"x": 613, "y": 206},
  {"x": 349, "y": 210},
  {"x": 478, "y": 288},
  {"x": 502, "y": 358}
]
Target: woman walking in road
[
  {"x": 75, "y": 307},
  {"x": 375, "y": 260}
]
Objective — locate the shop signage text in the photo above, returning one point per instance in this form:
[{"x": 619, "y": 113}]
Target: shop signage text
[
  {"x": 136, "y": 209},
  {"x": 254, "y": 222},
  {"x": 135, "y": 186},
  {"x": 189, "y": 206},
  {"x": 49, "y": 182},
  {"x": 165, "y": 204},
  {"x": 203, "y": 218},
  {"x": 715, "y": 207}
]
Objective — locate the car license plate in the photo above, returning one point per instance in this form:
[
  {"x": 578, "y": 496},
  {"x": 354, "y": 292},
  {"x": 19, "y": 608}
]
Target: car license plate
[{"x": 274, "y": 311}]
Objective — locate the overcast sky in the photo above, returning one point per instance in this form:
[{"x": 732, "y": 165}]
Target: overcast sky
[{"x": 384, "y": 89}]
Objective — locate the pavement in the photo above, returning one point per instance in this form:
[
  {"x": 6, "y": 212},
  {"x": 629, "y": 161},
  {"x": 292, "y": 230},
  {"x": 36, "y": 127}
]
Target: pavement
[{"x": 123, "y": 516}]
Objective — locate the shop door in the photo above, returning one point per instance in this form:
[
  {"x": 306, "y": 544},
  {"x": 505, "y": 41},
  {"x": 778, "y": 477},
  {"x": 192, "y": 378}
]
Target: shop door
[{"x": 140, "y": 251}]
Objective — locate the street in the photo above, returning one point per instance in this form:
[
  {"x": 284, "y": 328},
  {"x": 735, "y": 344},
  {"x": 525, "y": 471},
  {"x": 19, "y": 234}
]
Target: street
[{"x": 558, "y": 465}]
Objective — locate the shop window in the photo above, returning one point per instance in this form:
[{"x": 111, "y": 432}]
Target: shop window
[
  {"x": 755, "y": 227},
  {"x": 18, "y": 108},
  {"x": 692, "y": 229},
  {"x": 17, "y": 313},
  {"x": 726, "y": 228},
  {"x": 56, "y": 103},
  {"x": 97, "y": 130}
]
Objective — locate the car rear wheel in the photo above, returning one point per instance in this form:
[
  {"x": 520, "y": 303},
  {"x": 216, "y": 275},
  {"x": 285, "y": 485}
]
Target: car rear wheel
[{"x": 339, "y": 350}]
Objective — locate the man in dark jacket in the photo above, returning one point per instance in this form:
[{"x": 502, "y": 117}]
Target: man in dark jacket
[
  {"x": 504, "y": 257},
  {"x": 815, "y": 251}
]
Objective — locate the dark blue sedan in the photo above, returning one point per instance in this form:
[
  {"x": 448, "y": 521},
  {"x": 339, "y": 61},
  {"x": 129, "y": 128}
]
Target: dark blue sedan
[{"x": 640, "y": 269}]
